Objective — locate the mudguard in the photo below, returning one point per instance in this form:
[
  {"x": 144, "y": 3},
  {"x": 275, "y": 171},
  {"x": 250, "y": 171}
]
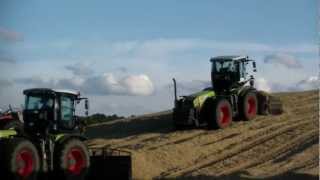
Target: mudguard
[
  {"x": 243, "y": 90},
  {"x": 59, "y": 138}
]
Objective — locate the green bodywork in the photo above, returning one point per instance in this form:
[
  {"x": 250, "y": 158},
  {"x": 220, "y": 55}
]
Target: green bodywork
[
  {"x": 200, "y": 97},
  {"x": 10, "y": 133},
  {"x": 7, "y": 133},
  {"x": 57, "y": 137}
]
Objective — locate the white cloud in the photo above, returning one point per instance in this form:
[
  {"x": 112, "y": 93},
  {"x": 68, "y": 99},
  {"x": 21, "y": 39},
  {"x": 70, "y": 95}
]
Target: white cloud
[
  {"x": 161, "y": 47},
  {"x": 4, "y": 84},
  {"x": 40, "y": 81},
  {"x": 311, "y": 82},
  {"x": 286, "y": 60},
  {"x": 138, "y": 85},
  {"x": 79, "y": 69},
  {"x": 262, "y": 84},
  {"x": 158, "y": 60},
  {"x": 106, "y": 84}
]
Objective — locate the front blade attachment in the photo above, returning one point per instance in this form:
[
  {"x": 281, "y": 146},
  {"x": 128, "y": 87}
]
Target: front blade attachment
[{"x": 107, "y": 163}]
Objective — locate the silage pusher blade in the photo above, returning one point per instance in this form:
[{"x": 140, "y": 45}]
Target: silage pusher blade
[
  {"x": 269, "y": 104},
  {"x": 275, "y": 106},
  {"x": 107, "y": 163}
]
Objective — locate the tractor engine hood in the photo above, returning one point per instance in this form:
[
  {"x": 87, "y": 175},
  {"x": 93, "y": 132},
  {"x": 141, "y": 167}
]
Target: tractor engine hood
[{"x": 199, "y": 98}]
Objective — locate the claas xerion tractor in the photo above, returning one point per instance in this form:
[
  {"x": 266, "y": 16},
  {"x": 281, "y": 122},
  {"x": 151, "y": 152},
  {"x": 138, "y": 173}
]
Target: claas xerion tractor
[
  {"x": 51, "y": 144},
  {"x": 231, "y": 96}
]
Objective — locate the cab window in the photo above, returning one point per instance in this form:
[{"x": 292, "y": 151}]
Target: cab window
[
  {"x": 242, "y": 70},
  {"x": 67, "y": 109}
]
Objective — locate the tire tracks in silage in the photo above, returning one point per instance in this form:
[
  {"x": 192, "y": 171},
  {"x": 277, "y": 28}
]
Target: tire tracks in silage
[{"x": 235, "y": 149}]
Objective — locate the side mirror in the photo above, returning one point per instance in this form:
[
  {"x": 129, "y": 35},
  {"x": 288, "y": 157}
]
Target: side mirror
[
  {"x": 86, "y": 106},
  {"x": 254, "y": 66}
]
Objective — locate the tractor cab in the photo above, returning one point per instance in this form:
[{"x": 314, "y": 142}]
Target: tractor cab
[
  {"x": 230, "y": 72},
  {"x": 51, "y": 144},
  {"x": 48, "y": 110}
]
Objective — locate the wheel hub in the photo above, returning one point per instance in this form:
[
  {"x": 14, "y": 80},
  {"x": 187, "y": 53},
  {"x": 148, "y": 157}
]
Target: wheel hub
[
  {"x": 224, "y": 115},
  {"x": 24, "y": 160},
  {"x": 76, "y": 161},
  {"x": 251, "y": 106}
]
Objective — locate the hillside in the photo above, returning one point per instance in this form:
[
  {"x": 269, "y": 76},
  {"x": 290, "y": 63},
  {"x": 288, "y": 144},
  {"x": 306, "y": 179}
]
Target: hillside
[{"x": 274, "y": 147}]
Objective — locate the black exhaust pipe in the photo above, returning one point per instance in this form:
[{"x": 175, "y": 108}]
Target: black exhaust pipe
[{"x": 175, "y": 90}]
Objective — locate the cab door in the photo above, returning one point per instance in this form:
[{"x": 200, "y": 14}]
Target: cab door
[{"x": 67, "y": 113}]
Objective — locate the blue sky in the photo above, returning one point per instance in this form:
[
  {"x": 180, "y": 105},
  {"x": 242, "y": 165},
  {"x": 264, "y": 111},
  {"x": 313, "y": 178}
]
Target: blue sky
[
  {"x": 292, "y": 20},
  {"x": 127, "y": 51}
]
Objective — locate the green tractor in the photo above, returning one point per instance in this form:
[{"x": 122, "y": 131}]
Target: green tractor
[
  {"x": 232, "y": 96},
  {"x": 51, "y": 144}
]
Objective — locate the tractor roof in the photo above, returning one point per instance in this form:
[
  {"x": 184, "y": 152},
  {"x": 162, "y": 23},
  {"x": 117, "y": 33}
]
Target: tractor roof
[
  {"x": 228, "y": 58},
  {"x": 50, "y": 91}
]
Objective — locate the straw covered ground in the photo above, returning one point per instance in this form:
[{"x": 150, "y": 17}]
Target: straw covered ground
[{"x": 274, "y": 147}]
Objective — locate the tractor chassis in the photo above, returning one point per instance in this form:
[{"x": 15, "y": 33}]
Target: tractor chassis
[
  {"x": 184, "y": 114},
  {"x": 190, "y": 116},
  {"x": 105, "y": 163}
]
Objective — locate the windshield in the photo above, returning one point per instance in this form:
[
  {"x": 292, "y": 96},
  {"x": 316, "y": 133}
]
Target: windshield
[
  {"x": 223, "y": 66},
  {"x": 38, "y": 102}
]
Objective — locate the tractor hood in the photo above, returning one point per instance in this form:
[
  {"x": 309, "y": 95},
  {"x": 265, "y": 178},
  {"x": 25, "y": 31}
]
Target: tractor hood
[
  {"x": 200, "y": 97},
  {"x": 7, "y": 133}
]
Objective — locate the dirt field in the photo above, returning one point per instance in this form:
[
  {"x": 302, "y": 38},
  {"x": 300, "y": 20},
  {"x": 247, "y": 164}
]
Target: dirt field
[{"x": 273, "y": 147}]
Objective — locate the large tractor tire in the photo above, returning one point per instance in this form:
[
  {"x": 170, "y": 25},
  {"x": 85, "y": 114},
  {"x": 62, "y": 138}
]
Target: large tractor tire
[
  {"x": 20, "y": 160},
  {"x": 249, "y": 106},
  {"x": 263, "y": 101},
  {"x": 220, "y": 114},
  {"x": 72, "y": 160}
]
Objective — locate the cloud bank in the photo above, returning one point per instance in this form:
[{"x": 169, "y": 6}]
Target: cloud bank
[
  {"x": 4, "y": 84},
  {"x": 283, "y": 59},
  {"x": 105, "y": 84},
  {"x": 79, "y": 69},
  {"x": 4, "y": 59},
  {"x": 310, "y": 83},
  {"x": 160, "y": 59},
  {"x": 10, "y": 35}
]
